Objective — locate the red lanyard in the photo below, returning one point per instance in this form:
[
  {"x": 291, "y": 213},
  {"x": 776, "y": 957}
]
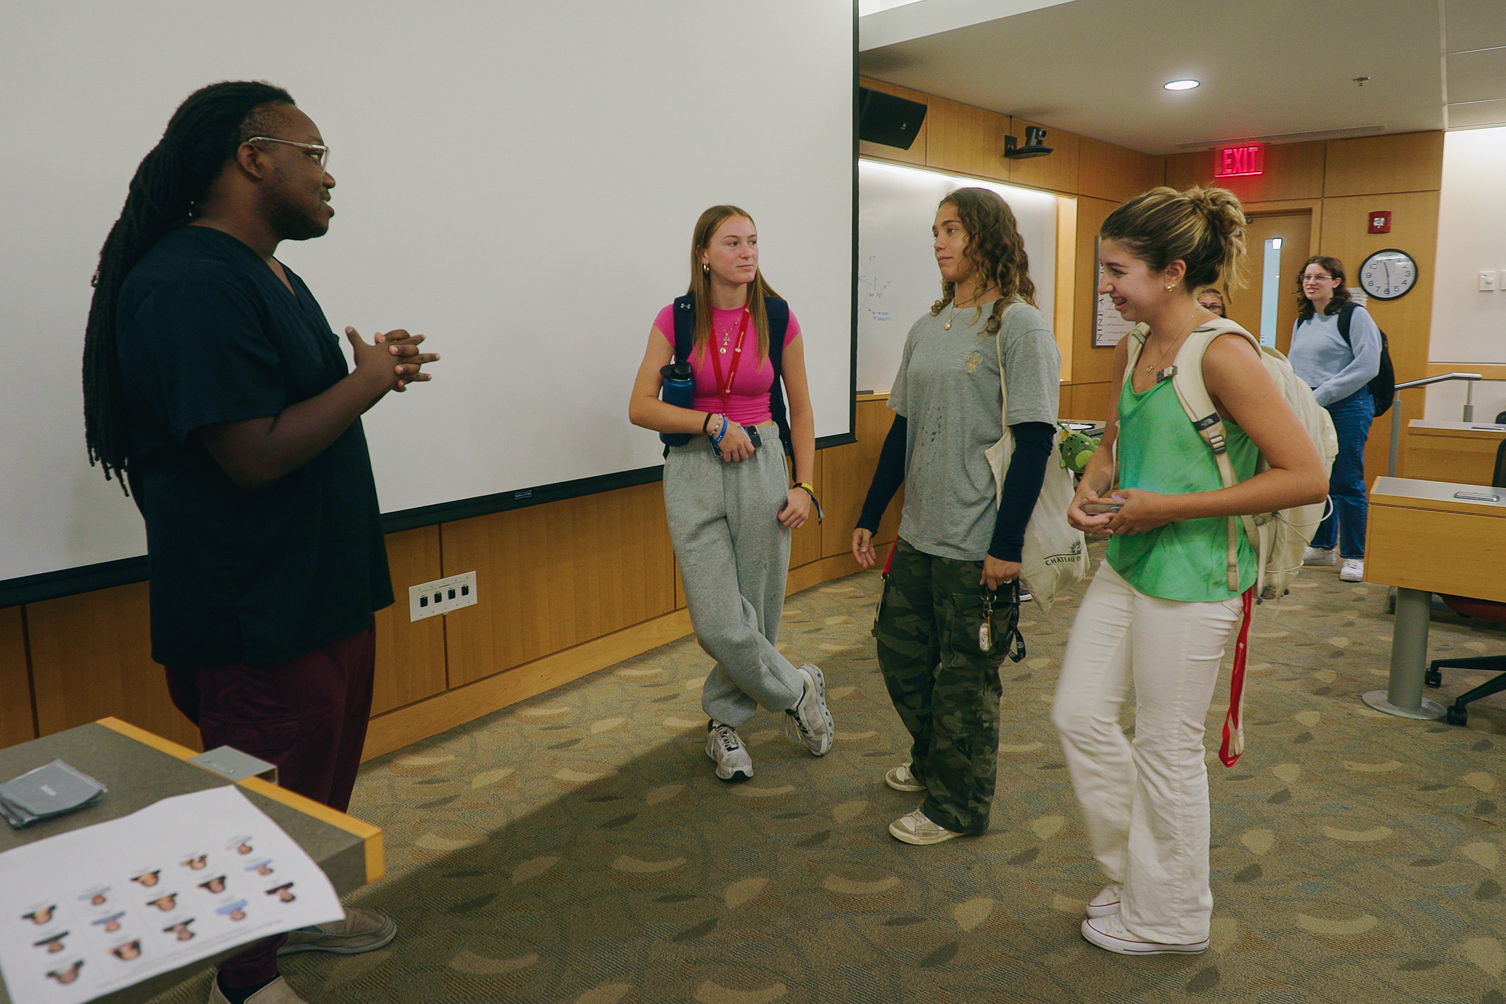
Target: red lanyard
[{"x": 725, "y": 389}]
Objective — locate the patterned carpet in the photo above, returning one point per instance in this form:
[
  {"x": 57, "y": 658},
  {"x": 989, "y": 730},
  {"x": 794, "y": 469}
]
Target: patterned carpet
[{"x": 576, "y": 848}]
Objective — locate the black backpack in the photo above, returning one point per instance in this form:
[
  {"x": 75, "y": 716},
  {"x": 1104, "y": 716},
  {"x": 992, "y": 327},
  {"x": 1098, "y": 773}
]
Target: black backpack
[{"x": 1383, "y": 384}]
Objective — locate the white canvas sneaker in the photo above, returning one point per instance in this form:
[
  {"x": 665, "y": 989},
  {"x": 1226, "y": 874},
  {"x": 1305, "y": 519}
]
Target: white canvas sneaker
[
  {"x": 1318, "y": 557},
  {"x": 1110, "y": 934},
  {"x": 1353, "y": 570},
  {"x": 900, "y": 779},
  {"x": 916, "y": 828},
  {"x": 1105, "y": 903}
]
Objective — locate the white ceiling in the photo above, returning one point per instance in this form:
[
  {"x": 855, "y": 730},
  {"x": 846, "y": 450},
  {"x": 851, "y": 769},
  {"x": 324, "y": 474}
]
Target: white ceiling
[{"x": 1279, "y": 70}]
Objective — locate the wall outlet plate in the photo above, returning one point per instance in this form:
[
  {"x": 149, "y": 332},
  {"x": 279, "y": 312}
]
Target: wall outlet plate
[
  {"x": 441, "y": 596},
  {"x": 1488, "y": 281}
]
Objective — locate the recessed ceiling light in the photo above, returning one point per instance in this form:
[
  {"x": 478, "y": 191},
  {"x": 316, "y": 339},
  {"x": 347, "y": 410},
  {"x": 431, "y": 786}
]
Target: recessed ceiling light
[{"x": 1181, "y": 85}]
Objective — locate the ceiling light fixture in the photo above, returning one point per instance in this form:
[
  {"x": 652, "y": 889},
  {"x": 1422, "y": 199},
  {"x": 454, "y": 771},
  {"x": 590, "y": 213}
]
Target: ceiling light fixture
[{"x": 1181, "y": 85}]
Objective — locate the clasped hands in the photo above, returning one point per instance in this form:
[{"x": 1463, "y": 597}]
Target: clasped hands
[{"x": 406, "y": 368}]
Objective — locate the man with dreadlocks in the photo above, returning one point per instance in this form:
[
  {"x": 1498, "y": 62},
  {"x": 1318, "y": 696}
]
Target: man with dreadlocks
[{"x": 214, "y": 387}]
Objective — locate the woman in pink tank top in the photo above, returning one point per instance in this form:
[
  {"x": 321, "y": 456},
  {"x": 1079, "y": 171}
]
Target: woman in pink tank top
[{"x": 727, "y": 491}]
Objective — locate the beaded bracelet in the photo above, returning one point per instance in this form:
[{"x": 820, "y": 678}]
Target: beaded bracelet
[{"x": 717, "y": 439}]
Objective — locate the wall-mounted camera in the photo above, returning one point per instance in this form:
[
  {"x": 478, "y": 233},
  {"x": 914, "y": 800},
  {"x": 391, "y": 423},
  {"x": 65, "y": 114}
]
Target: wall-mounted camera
[{"x": 1035, "y": 144}]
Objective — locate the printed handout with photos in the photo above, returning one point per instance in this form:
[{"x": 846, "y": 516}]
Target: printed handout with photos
[{"x": 99, "y": 908}]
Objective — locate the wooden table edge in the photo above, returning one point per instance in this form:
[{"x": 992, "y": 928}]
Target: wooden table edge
[{"x": 371, "y": 836}]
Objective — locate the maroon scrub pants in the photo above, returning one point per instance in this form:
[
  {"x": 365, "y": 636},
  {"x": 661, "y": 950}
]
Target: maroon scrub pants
[{"x": 307, "y": 715}]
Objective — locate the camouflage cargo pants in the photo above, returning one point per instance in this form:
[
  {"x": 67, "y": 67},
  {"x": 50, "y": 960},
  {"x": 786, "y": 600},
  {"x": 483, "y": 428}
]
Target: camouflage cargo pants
[{"x": 944, "y": 686}]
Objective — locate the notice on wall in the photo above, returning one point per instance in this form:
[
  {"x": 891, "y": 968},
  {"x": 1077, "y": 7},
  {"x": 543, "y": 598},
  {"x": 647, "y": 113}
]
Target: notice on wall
[
  {"x": 96, "y": 909},
  {"x": 1108, "y": 327}
]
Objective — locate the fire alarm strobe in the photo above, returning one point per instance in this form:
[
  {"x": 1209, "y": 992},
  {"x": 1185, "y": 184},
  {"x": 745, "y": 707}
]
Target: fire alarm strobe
[{"x": 1380, "y": 221}]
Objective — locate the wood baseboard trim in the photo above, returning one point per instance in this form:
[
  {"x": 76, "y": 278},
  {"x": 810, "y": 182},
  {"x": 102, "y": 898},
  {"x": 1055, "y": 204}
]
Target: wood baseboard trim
[{"x": 442, "y": 712}]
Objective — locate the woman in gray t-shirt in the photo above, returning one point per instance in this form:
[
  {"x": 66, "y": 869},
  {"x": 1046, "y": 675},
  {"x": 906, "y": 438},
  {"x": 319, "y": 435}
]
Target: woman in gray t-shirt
[{"x": 937, "y": 646}]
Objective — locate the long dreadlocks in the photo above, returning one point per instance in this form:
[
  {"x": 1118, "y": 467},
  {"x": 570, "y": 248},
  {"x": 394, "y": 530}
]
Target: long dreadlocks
[{"x": 169, "y": 184}]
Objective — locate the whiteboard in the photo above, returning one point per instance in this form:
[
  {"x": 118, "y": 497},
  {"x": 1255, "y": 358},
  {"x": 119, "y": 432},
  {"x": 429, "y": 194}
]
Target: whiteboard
[
  {"x": 518, "y": 181},
  {"x": 897, "y": 276}
]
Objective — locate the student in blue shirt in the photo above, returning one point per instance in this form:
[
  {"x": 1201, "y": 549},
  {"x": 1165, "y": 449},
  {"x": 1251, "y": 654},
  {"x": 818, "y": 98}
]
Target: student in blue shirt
[{"x": 1338, "y": 371}]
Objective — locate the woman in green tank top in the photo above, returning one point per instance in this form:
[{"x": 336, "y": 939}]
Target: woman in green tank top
[{"x": 1161, "y": 607}]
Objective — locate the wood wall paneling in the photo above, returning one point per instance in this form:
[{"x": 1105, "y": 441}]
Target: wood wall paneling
[
  {"x": 1408, "y": 162},
  {"x": 16, "y": 722},
  {"x": 917, "y": 153},
  {"x": 1089, "y": 364},
  {"x": 805, "y": 543},
  {"x": 848, "y": 472},
  {"x": 91, "y": 658},
  {"x": 967, "y": 140},
  {"x": 1056, "y": 172},
  {"x": 1089, "y": 401},
  {"x": 1292, "y": 171},
  {"x": 409, "y": 654},
  {"x": 1106, "y": 171},
  {"x": 549, "y": 577},
  {"x": 1407, "y": 321},
  {"x": 459, "y": 705}
]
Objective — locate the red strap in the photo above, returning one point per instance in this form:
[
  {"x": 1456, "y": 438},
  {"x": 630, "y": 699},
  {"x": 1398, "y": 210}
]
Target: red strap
[
  {"x": 1234, "y": 735},
  {"x": 725, "y": 390},
  {"x": 890, "y": 563}
]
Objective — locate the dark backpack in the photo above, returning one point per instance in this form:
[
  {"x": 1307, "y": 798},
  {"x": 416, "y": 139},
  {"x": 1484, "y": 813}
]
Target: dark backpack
[
  {"x": 1383, "y": 384},
  {"x": 779, "y": 322}
]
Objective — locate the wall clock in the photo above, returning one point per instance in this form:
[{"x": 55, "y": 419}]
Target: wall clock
[{"x": 1388, "y": 274}]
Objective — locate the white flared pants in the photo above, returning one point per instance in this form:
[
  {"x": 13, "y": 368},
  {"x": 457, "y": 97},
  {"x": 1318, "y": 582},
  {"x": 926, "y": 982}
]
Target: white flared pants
[{"x": 1145, "y": 803}]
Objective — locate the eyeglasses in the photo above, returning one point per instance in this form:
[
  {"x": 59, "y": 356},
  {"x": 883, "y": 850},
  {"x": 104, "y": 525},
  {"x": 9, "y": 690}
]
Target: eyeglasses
[
  {"x": 1316, "y": 278},
  {"x": 318, "y": 153}
]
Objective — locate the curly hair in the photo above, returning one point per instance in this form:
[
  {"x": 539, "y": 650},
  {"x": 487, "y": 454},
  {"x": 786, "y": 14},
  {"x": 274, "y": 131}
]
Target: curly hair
[{"x": 995, "y": 251}]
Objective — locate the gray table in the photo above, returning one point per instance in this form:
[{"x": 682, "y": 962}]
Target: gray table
[{"x": 140, "y": 769}]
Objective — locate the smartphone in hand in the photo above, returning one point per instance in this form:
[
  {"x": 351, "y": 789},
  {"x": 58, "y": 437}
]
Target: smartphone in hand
[{"x": 1101, "y": 508}]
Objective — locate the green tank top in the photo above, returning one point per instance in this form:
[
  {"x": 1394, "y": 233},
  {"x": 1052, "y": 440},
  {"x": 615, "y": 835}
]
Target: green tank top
[{"x": 1160, "y": 451}]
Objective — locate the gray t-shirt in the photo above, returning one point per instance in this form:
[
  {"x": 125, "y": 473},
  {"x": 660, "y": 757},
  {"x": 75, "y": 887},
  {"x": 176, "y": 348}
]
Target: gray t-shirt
[{"x": 948, "y": 391}]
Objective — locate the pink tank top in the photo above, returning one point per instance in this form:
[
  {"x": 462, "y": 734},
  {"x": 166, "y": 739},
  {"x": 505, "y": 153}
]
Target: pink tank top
[{"x": 748, "y": 404}]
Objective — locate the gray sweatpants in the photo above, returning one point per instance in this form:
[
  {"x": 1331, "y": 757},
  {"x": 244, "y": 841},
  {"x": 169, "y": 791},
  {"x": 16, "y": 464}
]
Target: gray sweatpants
[{"x": 734, "y": 557}]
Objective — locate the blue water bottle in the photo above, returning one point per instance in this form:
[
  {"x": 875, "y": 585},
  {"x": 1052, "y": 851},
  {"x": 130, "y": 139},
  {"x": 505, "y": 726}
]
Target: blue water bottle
[{"x": 679, "y": 387}]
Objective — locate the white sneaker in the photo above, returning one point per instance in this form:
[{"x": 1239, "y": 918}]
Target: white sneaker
[
  {"x": 1105, "y": 903},
  {"x": 900, "y": 779},
  {"x": 808, "y": 723},
  {"x": 1319, "y": 557},
  {"x": 1353, "y": 570},
  {"x": 725, "y": 746},
  {"x": 1110, "y": 934},
  {"x": 916, "y": 828}
]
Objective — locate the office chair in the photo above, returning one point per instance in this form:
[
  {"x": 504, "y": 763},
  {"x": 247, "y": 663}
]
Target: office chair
[{"x": 1457, "y": 713}]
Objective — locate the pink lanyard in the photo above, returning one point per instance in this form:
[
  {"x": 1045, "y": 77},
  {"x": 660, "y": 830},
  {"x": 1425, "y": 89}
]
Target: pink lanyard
[{"x": 725, "y": 389}]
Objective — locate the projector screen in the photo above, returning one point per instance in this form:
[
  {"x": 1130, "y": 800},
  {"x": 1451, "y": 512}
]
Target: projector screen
[{"x": 518, "y": 181}]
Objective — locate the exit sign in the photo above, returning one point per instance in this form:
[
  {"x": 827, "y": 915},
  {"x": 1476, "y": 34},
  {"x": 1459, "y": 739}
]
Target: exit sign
[{"x": 1239, "y": 161}]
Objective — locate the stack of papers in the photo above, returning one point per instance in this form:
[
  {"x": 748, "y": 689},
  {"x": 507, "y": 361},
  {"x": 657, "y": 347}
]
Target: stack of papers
[{"x": 51, "y": 790}]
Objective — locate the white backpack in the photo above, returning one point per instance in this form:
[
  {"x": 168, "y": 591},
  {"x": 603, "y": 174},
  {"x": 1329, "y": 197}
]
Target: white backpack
[{"x": 1278, "y": 538}]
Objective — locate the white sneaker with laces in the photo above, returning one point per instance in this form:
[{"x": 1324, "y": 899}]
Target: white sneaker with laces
[
  {"x": 1105, "y": 903},
  {"x": 1353, "y": 570},
  {"x": 1110, "y": 934},
  {"x": 725, "y": 746},
  {"x": 900, "y": 779},
  {"x": 809, "y": 723},
  {"x": 916, "y": 828},
  {"x": 1318, "y": 557}
]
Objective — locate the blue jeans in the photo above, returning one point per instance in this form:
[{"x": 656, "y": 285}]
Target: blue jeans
[{"x": 1346, "y": 482}]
